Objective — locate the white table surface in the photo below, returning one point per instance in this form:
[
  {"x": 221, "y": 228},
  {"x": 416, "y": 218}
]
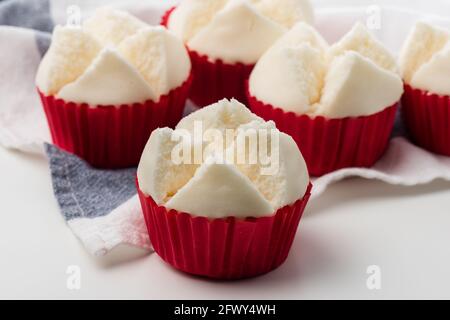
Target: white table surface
[{"x": 356, "y": 223}]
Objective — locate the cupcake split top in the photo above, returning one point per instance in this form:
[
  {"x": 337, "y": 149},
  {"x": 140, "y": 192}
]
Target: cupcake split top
[
  {"x": 425, "y": 59},
  {"x": 236, "y": 31},
  {"x": 356, "y": 76},
  {"x": 112, "y": 59},
  {"x": 215, "y": 183}
]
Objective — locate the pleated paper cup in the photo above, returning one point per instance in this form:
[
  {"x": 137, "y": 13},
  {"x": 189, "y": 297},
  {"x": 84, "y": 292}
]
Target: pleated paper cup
[
  {"x": 332, "y": 144},
  {"x": 111, "y": 137},
  {"x": 427, "y": 118},
  {"x": 228, "y": 248},
  {"x": 214, "y": 79}
]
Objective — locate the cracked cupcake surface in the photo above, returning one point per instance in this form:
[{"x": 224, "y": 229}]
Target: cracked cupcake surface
[
  {"x": 112, "y": 59},
  {"x": 215, "y": 188},
  {"x": 425, "y": 59},
  {"x": 354, "y": 77}
]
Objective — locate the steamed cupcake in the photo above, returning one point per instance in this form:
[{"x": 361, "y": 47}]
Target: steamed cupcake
[
  {"x": 338, "y": 102},
  {"x": 225, "y": 39},
  {"x": 425, "y": 68},
  {"x": 227, "y": 211},
  {"x": 106, "y": 85}
]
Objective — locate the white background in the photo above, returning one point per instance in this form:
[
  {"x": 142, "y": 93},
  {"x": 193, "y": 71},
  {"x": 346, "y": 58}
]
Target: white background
[{"x": 355, "y": 224}]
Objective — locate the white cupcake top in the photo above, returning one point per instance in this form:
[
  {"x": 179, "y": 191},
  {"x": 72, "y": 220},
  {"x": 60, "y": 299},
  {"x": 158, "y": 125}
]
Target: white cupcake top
[
  {"x": 113, "y": 59},
  {"x": 230, "y": 180},
  {"x": 236, "y": 31},
  {"x": 425, "y": 59},
  {"x": 300, "y": 73}
]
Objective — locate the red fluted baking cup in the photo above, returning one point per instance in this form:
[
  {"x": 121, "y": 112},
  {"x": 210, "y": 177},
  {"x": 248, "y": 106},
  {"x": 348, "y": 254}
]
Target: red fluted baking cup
[
  {"x": 427, "y": 118},
  {"x": 111, "y": 136},
  {"x": 213, "y": 78},
  {"x": 331, "y": 144},
  {"x": 227, "y": 248},
  {"x": 165, "y": 18}
]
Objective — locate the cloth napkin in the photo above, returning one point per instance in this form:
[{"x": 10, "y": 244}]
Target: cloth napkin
[{"x": 101, "y": 206}]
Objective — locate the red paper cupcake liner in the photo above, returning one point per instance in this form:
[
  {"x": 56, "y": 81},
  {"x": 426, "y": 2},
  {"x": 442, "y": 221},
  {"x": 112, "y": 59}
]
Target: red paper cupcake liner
[
  {"x": 331, "y": 144},
  {"x": 165, "y": 18},
  {"x": 111, "y": 136},
  {"x": 227, "y": 248},
  {"x": 427, "y": 118},
  {"x": 214, "y": 80}
]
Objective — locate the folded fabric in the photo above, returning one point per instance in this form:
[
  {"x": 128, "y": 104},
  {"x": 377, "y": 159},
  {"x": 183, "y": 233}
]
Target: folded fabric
[
  {"x": 101, "y": 206},
  {"x": 102, "y": 209}
]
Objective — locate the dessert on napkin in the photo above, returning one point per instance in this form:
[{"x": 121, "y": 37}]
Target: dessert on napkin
[
  {"x": 338, "y": 102},
  {"x": 107, "y": 84},
  {"x": 233, "y": 211},
  {"x": 425, "y": 66}
]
